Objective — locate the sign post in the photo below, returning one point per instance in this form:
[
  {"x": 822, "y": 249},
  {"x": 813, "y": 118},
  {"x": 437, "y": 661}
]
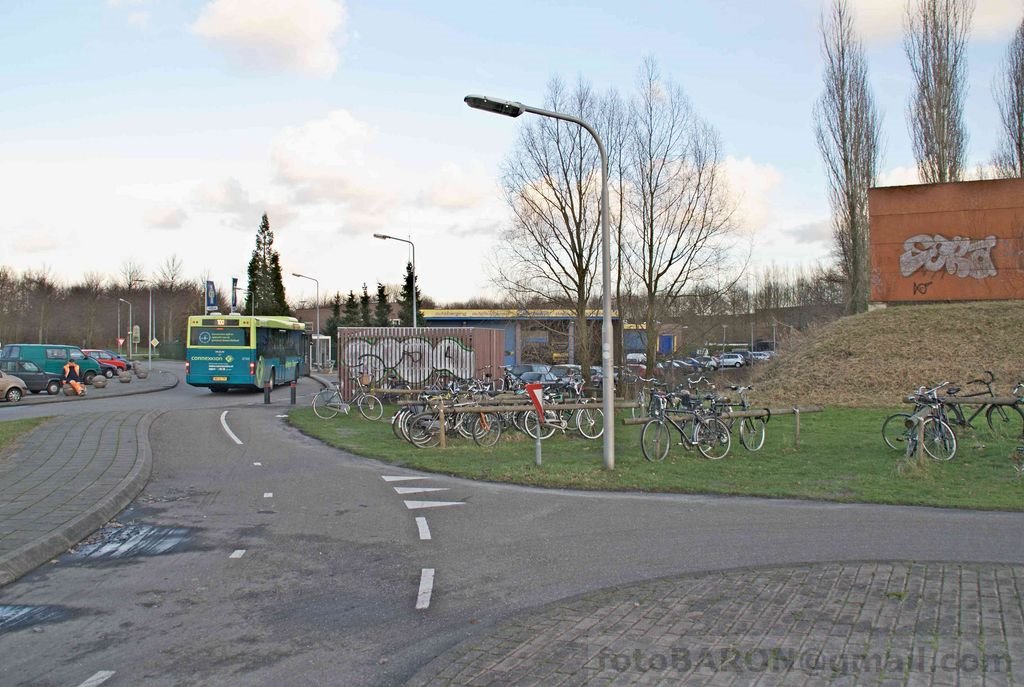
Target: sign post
[
  {"x": 211, "y": 297},
  {"x": 536, "y": 394}
]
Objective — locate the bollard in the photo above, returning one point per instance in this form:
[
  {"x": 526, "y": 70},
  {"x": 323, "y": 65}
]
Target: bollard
[
  {"x": 266, "y": 392},
  {"x": 796, "y": 437},
  {"x": 292, "y": 385},
  {"x": 537, "y": 447}
]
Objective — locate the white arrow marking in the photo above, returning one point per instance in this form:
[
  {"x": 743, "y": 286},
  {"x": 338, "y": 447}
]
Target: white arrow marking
[
  {"x": 421, "y": 524},
  {"x": 418, "y": 490},
  {"x": 426, "y": 588},
  {"x": 398, "y": 478},
  {"x": 98, "y": 679},
  {"x": 237, "y": 553},
  {"x": 414, "y": 505}
]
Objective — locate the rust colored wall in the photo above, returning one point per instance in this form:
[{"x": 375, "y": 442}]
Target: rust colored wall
[{"x": 948, "y": 242}]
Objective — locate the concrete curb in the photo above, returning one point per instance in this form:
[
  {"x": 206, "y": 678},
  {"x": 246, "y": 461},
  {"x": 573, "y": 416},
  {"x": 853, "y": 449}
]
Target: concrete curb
[
  {"x": 61, "y": 398},
  {"x": 31, "y": 556}
]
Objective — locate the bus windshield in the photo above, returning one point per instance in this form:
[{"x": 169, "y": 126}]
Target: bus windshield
[{"x": 219, "y": 336}]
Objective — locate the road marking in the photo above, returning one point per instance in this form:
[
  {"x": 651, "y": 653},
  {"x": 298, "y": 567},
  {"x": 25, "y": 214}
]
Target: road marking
[
  {"x": 426, "y": 588},
  {"x": 398, "y": 478},
  {"x": 415, "y": 505},
  {"x": 224, "y": 424},
  {"x": 268, "y": 494},
  {"x": 418, "y": 490},
  {"x": 280, "y": 416},
  {"x": 237, "y": 553},
  {"x": 98, "y": 679},
  {"x": 421, "y": 524},
  {"x": 258, "y": 464}
]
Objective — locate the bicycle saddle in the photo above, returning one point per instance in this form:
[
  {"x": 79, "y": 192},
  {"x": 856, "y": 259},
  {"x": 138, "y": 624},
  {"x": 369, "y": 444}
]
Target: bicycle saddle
[{"x": 952, "y": 391}]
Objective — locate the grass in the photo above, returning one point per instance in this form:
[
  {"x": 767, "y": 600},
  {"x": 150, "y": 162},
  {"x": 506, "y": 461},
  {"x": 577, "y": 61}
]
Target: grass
[
  {"x": 841, "y": 457},
  {"x": 12, "y": 429}
]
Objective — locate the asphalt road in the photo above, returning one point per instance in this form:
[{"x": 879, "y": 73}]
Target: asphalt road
[{"x": 332, "y": 569}]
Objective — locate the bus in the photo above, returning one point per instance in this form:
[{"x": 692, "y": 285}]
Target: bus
[{"x": 243, "y": 351}]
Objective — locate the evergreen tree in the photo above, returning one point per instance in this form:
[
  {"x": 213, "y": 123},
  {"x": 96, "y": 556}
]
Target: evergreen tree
[
  {"x": 335, "y": 320},
  {"x": 351, "y": 317},
  {"x": 266, "y": 287},
  {"x": 364, "y": 308},
  {"x": 405, "y": 301},
  {"x": 382, "y": 310}
]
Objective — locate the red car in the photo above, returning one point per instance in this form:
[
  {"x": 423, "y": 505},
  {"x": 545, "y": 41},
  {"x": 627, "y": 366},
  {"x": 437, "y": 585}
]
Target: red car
[{"x": 107, "y": 358}]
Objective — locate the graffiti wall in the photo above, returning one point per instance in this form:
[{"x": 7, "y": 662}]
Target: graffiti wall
[
  {"x": 417, "y": 356},
  {"x": 948, "y": 242}
]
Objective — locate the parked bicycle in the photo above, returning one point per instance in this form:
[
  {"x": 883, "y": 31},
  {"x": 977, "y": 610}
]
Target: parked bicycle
[
  {"x": 899, "y": 430},
  {"x": 328, "y": 402},
  {"x": 696, "y": 427}
]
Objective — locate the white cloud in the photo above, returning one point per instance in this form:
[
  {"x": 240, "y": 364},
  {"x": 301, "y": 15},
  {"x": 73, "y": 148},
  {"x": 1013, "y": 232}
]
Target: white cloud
[
  {"x": 899, "y": 176},
  {"x": 297, "y": 35},
  {"x": 753, "y": 186},
  {"x": 36, "y": 243},
  {"x": 166, "y": 217},
  {"x": 453, "y": 187},
  {"x": 879, "y": 21}
]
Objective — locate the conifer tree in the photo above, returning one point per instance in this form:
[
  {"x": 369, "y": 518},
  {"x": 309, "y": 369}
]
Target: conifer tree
[
  {"x": 266, "y": 287},
  {"x": 351, "y": 318},
  {"x": 410, "y": 284},
  {"x": 335, "y": 320},
  {"x": 364, "y": 308},
  {"x": 382, "y": 310}
]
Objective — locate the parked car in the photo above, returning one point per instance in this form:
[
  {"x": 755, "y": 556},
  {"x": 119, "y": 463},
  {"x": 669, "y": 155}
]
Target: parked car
[
  {"x": 12, "y": 388},
  {"x": 748, "y": 357},
  {"x": 35, "y": 378},
  {"x": 763, "y": 356},
  {"x": 519, "y": 370},
  {"x": 52, "y": 358},
  {"x": 109, "y": 358},
  {"x": 545, "y": 378},
  {"x": 567, "y": 373},
  {"x": 707, "y": 362},
  {"x": 731, "y": 360}
]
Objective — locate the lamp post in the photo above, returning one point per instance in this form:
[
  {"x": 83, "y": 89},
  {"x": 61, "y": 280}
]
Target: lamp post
[
  {"x": 514, "y": 109},
  {"x": 118, "y": 330},
  {"x": 303, "y": 276},
  {"x": 395, "y": 238},
  {"x": 149, "y": 321},
  {"x": 129, "y": 323}
]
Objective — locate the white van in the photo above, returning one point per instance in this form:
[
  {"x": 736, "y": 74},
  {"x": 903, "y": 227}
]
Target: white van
[{"x": 640, "y": 358}]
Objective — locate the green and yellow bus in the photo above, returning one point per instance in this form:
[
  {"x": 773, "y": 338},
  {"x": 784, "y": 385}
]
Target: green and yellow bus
[{"x": 243, "y": 351}]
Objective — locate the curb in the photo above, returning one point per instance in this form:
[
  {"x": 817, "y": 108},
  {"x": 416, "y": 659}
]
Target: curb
[
  {"x": 61, "y": 398},
  {"x": 31, "y": 556}
]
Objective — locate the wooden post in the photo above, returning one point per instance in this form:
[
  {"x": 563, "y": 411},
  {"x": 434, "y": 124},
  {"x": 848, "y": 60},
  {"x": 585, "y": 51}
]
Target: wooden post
[
  {"x": 796, "y": 437},
  {"x": 440, "y": 415},
  {"x": 920, "y": 442}
]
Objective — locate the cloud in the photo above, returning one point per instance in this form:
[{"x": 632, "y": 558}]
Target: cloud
[
  {"x": 899, "y": 176},
  {"x": 36, "y": 243},
  {"x": 753, "y": 186},
  {"x": 228, "y": 198},
  {"x": 882, "y": 20},
  {"x": 296, "y": 35},
  {"x": 167, "y": 217},
  {"x": 456, "y": 188},
  {"x": 811, "y": 232}
]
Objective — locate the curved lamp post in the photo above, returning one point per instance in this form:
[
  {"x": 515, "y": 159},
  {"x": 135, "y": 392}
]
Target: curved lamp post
[
  {"x": 514, "y": 109},
  {"x": 395, "y": 238},
  {"x": 129, "y": 324},
  {"x": 303, "y": 276}
]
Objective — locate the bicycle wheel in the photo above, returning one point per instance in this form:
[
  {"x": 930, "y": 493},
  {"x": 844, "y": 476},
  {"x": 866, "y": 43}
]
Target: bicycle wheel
[
  {"x": 752, "y": 430},
  {"x": 713, "y": 439},
  {"x": 370, "y": 407},
  {"x": 326, "y": 404},
  {"x": 487, "y": 429},
  {"x": 532, "y": 427},
  {"x": 1005, "y": 422},
  {"x": 590, "y": 422},
  {"x": 398, "y": 422},
  {"x": 655, "y": 440},
  {"x": 425, "y": 430},
  {"x": 895, "y": 432},
  {"x": 939, "y": 440}
]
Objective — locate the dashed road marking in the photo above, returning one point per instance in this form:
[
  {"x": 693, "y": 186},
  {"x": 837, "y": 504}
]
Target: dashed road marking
[
  {"x": 258, "y": 464},
  {"x": 237, "y": 553},
  {"x": 421, "y": 525},
  {"x": 268, "y": 494},
  {"x": 398, "y": 478},
  {"x": 98, "y": 679},
  {"x": 224, "y": 424},
  {"x": 426, "y": 589},
  {"x": 418, "y": 490},
  {"x": 415, "y": 505}
]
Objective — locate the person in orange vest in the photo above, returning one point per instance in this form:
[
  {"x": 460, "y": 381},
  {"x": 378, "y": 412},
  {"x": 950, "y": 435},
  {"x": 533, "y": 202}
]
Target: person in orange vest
[{"x": 71, "y": 376}]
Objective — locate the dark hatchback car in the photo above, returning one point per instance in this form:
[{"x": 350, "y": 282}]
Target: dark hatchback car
[{"x": 35, "y": 379}]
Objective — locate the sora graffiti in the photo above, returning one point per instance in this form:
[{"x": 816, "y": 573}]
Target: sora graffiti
[
  {"x": 960, "y": 256},
  {"x": 411, "y": 359}
]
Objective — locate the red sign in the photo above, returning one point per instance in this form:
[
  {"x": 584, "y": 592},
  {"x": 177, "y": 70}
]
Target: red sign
[
  {"x": 120, "y": 341},
  {"x": 536, "y": 393}
]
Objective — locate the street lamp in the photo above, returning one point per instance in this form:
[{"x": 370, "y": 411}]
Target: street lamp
[
  {"x": 302, "y": 276},
  {"x": 395, "y": 238},
  {"x": 514, "y": 109},
  {"x": 149, "y": 322},
  {"x": 129, "y": 323}
]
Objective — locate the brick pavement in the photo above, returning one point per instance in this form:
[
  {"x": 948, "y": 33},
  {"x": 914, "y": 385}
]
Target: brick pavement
[{"x": 861, "y": 623}]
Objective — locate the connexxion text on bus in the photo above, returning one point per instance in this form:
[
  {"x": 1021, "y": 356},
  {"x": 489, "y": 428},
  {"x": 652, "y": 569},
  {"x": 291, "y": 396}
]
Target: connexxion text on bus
[{"x": 243, "y": 351}]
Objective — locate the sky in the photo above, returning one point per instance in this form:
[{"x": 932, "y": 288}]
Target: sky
[{"x": 141, "y": 131}]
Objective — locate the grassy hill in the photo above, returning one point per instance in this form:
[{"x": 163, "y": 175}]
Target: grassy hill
[{"x": 876, "y": 358}]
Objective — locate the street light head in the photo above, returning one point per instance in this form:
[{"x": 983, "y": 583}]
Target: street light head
[
  {"x": 382, "y": 236},
  {"x": 296, "y": 274},
  {"x": 504, "y": 107}
]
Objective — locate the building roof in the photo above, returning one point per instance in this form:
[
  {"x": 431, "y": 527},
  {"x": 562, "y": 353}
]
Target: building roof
[{"x": 507, "y": 314}]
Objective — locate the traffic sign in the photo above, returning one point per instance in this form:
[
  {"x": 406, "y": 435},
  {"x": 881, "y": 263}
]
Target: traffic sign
[
  {"x": 536, "y": 394},
  {"x": 153, "y": 342},
  {"x": 120, "y": 341}
]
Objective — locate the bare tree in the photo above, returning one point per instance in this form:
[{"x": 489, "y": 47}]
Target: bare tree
[
  {"x": 552, "y": 183},
  {"x": 131, "y": 273},
  {"x": 935, "y": 42},
  {"x": 847, "y": 128},
  {"x": 1009, "y": 96},
  {"x": 681, "y": 214}
]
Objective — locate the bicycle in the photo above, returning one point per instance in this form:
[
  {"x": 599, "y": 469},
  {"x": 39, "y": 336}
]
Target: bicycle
[
  {"x": 752, "y": 430},
  {"x": 328, "y": 402},
  {"x": 899, "y": 431},
  {"x": 699, "y": 430},
  {"x": 1001, "y": 419}
]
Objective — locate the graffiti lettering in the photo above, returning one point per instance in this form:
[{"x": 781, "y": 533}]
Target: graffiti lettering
[
  {"x": 921, "y": 288},
  {"x": 411, "y": 359},
  {"x": 960, "y": 256}
]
